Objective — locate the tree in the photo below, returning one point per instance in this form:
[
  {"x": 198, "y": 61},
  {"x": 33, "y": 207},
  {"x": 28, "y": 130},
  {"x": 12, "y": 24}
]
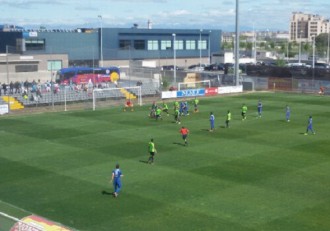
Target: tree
[
  {"x": 321, "y": 43},
  {"x": 280, "y": 62},
  {"x": 249, "y": 46}
]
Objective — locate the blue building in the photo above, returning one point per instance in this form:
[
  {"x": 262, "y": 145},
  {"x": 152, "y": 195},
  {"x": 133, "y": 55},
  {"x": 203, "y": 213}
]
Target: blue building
[
  {"x": 84, "y": 45},
  {"x": 49, "y": 50}
]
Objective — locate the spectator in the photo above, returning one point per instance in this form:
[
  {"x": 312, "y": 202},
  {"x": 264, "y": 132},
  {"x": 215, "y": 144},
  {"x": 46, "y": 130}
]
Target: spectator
[
  {"x": 17, "y": 86},
  {"x": 26, "y": 85},
  {"x": 25, "y": 95},
  {"x": 11, "y": 87},
  {"x": 38, "y": 92},
  {"x": 4, "y": 87}
]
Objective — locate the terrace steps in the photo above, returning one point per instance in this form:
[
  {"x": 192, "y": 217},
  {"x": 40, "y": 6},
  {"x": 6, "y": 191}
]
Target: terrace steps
[
  {"x": 14, "y": 104},
  {"x": 128, "y": 95}
]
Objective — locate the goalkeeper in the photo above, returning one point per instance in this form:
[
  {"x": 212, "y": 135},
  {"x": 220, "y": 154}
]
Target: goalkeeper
[{"x": 129, "y": 105}]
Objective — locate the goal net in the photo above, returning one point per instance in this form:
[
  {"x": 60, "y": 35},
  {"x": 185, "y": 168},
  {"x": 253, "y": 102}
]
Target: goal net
[
  {"x": 192, "y": 85},
  {"x": 116, "y": 96}
]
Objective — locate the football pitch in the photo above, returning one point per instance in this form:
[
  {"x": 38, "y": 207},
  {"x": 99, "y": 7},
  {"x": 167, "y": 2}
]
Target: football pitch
[{"x": 259, "y": 174}]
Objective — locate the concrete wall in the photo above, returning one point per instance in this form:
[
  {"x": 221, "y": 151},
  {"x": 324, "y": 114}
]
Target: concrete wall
[{"x": 40, "y": 60}]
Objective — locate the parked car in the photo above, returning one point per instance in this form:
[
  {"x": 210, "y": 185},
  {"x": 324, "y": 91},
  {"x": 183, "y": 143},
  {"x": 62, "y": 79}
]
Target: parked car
[
  {"x": 197, "y": 67},
  {"x": 171, "y": 68},
  {"x": 215, "y": 67},
  {"x": 321, "y": 65}
]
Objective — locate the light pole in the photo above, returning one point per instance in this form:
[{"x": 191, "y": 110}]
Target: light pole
[
  {"x": 101, "y": 35},
  {"x": 237, "y": 44},
  {"x": 287, "y": 51},
  {"x": 210, "y": 47},
  {"x": 7, "y": 70},
  {"x": 299, "y": 61},
  {"x": 328, "y": 47},
  {"x": 174, "y": 57},
  {"x": 313, "y": 64},
  {"x": 200, "y": 49},
  {"x": 254, "y": 46}
]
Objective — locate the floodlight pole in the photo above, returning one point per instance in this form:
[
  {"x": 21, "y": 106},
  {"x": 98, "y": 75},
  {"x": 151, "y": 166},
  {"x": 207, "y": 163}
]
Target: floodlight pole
[
  {"x": 210, "y": 48},
  {"x": 300, "y": 46},
  {"x": 7, "y": 70},
  {"x": 237, "y": 44},
  {"x": 328, "y": 46},
  {"x": 174, "y": 57},
  {"x": 101, "y": 39},
  {"x": 200, "y": 49}
]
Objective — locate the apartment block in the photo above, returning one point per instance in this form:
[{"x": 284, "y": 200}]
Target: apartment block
[{"x": 304, "y": 27}]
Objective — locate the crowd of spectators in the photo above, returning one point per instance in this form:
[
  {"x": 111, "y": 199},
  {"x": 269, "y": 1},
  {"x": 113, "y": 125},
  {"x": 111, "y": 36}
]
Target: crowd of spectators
[{"x": 35, "y": 90}]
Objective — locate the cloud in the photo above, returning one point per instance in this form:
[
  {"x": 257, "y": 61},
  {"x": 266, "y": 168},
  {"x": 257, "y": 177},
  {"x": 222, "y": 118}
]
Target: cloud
[{"x": 29, "y": 3}]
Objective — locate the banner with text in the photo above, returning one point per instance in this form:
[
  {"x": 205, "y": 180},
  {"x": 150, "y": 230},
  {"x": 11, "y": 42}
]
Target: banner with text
[
  {"x": 190, "y": 93},
  {"x": 211, "y": 91}
]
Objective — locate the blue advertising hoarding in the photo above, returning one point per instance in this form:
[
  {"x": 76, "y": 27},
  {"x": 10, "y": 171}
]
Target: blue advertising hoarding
[{"x": 191, "y": 93}]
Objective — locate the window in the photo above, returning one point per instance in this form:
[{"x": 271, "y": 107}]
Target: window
[
  {"x": 26, "y": 68},
  {"x": 153, "y": 45},
  {"x": 139, "y": 45},
  {"x": 166, "y": 44},
  {"x": 54, "y": 65},
  {"x": 34, "y": 44},
  {"x": 178, "y": 44},
  {"x": 202, "y": 45},
  {"x": 190, "y": 45},
  {"x": 124, "y": 44}
]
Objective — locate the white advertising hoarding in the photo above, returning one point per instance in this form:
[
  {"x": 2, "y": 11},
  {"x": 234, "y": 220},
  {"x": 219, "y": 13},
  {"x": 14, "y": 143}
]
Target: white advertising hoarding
[{"x": 3, "y": 109}]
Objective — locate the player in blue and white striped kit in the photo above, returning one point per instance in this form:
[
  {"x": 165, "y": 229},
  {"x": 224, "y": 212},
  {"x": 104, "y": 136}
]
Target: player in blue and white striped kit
[
  {"x": 115, "y": 179},
  {"x": 212, "y": 119},
  {"x": 259, "y": 108},
  {"x": 287, "y": 113},
  {"x": 310, "y": 126}
]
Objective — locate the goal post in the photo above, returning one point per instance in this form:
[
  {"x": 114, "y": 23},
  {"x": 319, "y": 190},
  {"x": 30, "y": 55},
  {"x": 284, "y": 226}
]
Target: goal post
[
  {"x": 196, "y": 84},
  {"x": 118, "y": 94}
]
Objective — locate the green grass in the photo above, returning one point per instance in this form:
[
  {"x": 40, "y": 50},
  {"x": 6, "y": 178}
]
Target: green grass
[{"x": 260, "y": 174}]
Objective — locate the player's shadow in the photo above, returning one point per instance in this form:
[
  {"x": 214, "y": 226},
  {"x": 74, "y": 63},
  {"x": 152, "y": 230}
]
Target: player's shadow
[
  {"x": 205, "y": 130},
  {"x": 179, "y": 143},
  {"x": 106, "y": 193},
  {"x": 144, "y": 161},
  {"x": 222, "y": 126}
]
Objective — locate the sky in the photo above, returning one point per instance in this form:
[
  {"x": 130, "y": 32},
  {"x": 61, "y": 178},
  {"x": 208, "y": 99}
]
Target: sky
[{"x": 272, "y": 15}]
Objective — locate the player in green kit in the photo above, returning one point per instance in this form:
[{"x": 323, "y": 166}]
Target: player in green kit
[
  {"x": 228, "y": 119},
  {"x": 177, "y": 116},
  {"x": 152, "y": 150},
  {"x": 158, "y": 113},
  {"x": 244, "y": 111},
  {"x": 165, "y": 108},
  {"x": 196, "y": 101},
  {"x": 176, "y": 105}
]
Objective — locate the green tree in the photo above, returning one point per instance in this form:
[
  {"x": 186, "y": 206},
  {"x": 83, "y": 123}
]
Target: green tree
[
  {"x": 280, "y": 62},
  {"x": 321, "y": 43},
  {"x": 249, "y": 46}
]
